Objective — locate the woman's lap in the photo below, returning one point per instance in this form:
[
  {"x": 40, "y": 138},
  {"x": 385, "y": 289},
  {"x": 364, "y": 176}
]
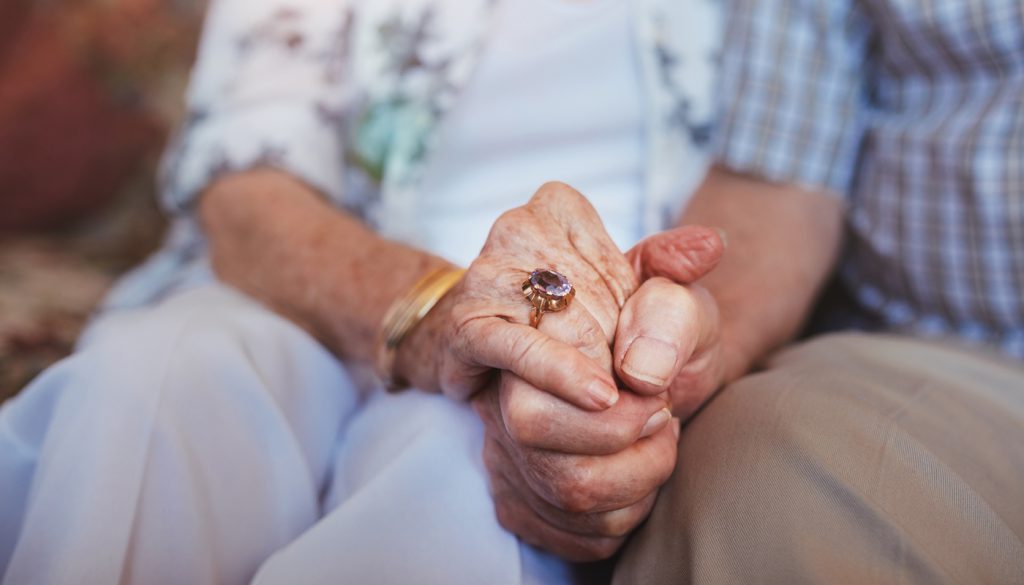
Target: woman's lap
[
  {"x": 409, "y": 503},
  {"x": 190, "y": 441}
]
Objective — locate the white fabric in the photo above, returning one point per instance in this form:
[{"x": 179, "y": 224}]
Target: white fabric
[
  {"x": 557, "y": 94},
  {"x": 349, "y": 96},
  {"x": 207, "y": 440},
  {"x": 200, "y": 442}
]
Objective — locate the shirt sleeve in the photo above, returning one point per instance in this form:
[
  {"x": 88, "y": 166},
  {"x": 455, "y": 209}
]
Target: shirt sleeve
[
  {"x": 265, "y": 91},
  {"x": 794, "y": 91}
]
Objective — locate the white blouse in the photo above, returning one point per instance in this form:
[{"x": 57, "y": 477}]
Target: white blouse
[
  {"x": 556, "y": 96},
  {"x": 428, "y": 118}
]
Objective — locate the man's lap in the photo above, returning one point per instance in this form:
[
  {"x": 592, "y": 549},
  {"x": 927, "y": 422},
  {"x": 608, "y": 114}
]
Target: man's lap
[{"x": 851, "y": 458}]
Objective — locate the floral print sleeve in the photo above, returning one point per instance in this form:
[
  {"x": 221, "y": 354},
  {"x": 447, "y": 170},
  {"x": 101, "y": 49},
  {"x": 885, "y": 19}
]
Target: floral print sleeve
[{"x": 265, "y": 91}]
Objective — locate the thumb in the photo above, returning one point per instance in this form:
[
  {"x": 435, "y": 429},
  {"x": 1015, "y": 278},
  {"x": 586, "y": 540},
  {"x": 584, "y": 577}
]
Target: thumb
[
  {"x": 659, "y": 329},
  {"x": 682, "y": 255}
]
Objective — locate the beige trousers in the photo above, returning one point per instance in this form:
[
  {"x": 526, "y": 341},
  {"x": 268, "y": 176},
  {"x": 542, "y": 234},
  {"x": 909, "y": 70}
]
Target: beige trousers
[{"x": 852, "y": 458}]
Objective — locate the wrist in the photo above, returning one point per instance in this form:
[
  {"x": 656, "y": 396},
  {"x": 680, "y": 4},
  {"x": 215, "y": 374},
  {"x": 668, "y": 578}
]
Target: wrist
[
  {"x": 418, "y": 358},
  {"x": 737, "y": 357},
  {"x": 408, "y": 347}
]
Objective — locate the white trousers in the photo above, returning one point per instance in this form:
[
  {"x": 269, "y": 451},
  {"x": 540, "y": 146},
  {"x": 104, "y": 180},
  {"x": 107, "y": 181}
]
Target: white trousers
[{"x": 208, "y": 440}]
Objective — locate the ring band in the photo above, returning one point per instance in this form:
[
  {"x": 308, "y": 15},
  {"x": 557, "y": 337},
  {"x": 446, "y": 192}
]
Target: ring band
[{"x": 548, "y": 292}]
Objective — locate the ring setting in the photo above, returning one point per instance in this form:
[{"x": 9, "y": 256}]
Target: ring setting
[{"x": 548, "y": 291}]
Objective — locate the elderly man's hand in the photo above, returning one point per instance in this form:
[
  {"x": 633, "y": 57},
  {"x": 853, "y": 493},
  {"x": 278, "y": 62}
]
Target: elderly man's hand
[
  {"x": 577, "y": 482},
  {"x": 669, "y": 336}
]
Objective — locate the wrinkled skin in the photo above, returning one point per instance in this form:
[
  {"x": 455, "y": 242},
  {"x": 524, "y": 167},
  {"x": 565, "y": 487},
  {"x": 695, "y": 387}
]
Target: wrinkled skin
[{"x": 580, "y": 427}]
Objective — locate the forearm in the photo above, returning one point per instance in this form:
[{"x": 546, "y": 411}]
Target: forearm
[
  {"x": 277, "y": 240},
  {"x": 782, "y": 245}
]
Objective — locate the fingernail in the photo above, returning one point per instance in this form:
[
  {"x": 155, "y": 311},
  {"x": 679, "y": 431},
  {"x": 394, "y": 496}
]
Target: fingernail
[
  {"x": 676, "y": 424},
  {"x": 650, "y": 360},
  {"x": 655, "y": 423},
  {"x": 603, "y": 395},
  {"x": 723, "y": 236}
]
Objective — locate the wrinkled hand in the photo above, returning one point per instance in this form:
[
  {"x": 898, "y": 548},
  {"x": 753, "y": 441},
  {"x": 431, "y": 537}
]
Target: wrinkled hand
[
  {"x": 669, "y": 334},
  {"x": 577, "y": 482},
  {"x": 568, "y": 481},
  {"x": 481, "y": 327}
]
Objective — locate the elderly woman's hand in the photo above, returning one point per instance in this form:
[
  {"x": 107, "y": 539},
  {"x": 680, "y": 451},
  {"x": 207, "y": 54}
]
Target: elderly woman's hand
[{"x": 481, "y": 327}]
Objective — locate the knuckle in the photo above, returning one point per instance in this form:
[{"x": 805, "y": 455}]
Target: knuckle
[
  {"x": 618, "y": 528},
  {"x": 508, "y": 220},
  {"x": 520, "y": 420},
  {"x": 662, "y": 286},
  {"x": 619, "y": 523},
  {"x": 619, "y": 436},
  {"x": 598, "y": 549},
  {"x": 610, "y": 433},
  {"x": 556, "y": 192},
  {"x": 505, "y": 515},
  {"x": 507, "y": 229},
  {"x": 606, "y": 548},
  {"x": 658, "y": 471},
  {"x": 524, "y": 346},
  {"x": 620, "y": 426},
  {"x": 665, "y": 467},
  {"x": 554, "y": 189},
  {"x": 575, "y": 491},
  {"x": 666, "y": 300},
  {"x": 590, "y": 334},
  {"x": 576, "y": 369}
]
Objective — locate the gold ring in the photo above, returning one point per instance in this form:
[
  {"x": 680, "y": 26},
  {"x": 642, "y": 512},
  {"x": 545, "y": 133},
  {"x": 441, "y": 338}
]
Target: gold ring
[{"x": 548, "y": 292}]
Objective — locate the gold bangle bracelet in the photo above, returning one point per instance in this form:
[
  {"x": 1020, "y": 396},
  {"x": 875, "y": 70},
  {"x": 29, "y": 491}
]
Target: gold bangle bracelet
[{"x": 405, "y": 313}]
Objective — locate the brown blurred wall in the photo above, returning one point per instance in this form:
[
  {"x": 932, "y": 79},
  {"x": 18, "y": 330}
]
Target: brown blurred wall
[
  {"x": 84, "y": 101},
  {"x": 88, "y": 92}
]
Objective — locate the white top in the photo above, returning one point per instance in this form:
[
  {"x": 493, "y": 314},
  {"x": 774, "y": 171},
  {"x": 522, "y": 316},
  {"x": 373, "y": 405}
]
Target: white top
[
  {"x": 557, "y": 95},
  {"x": 610, "y": 96}
]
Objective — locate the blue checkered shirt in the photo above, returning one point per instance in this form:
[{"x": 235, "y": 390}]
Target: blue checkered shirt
[{"x": 913, "y": 110}]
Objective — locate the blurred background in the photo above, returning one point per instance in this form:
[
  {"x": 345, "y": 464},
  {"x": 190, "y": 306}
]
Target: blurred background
[{"x": 89, "y": 92}]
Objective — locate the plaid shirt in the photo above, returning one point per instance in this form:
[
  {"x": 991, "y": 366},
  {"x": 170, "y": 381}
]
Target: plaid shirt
[{"x": 913, "y": 110}]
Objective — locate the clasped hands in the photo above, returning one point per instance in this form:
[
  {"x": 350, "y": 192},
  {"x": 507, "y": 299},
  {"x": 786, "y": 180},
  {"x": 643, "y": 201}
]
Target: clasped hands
[{"x": 581, "y": 414}]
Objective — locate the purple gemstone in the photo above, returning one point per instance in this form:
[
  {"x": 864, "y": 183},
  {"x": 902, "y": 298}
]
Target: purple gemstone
[{"x": 550, "y": 283}]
